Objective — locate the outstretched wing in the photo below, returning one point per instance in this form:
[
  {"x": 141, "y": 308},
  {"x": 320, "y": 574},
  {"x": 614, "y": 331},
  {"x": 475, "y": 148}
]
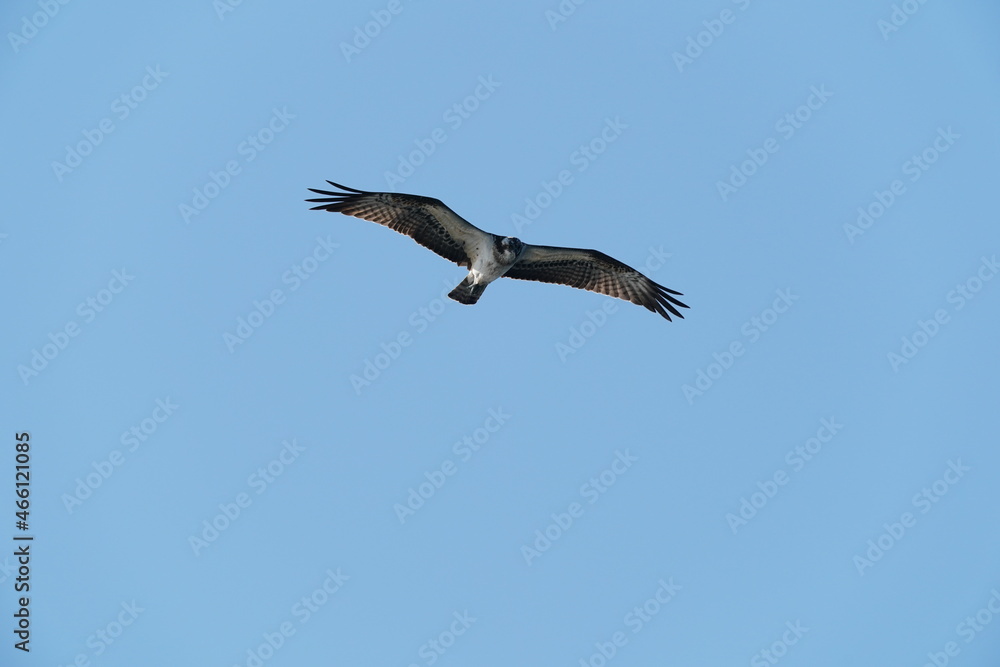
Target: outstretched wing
[
  {"x": 426, "y": 220},
  {"x": 594, "y": 271}
]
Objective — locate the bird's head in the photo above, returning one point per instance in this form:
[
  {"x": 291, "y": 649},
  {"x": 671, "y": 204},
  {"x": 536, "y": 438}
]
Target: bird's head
[{"x": 510, "y": 248}]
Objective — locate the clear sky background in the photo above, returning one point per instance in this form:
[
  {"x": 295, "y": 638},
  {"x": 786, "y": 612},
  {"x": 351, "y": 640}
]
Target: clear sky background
[{"x": 803, "y": 470}]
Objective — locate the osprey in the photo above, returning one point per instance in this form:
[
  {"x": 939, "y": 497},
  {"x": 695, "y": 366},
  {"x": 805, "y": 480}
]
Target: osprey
[{"x": 488, "y": 256}]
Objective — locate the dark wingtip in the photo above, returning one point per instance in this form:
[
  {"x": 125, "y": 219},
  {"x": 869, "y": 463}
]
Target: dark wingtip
[
  {"x": 666, "y": 301},
  {"x": 344, "y": 187},
  {"x": 332, "y": 199}
]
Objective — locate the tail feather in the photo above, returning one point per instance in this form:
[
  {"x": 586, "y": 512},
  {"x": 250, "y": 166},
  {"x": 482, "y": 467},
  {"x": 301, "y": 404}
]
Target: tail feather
[{"x": 466, "y": 292}]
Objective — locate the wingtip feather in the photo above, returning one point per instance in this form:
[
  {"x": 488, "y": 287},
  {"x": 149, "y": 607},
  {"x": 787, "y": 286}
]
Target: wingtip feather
[{"x": 344, "y": 187}]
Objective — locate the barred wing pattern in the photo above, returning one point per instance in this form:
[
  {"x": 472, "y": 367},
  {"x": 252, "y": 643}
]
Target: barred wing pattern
[
  {"x": 594, "y": 271},
  {"x": 424, "y": 219}
]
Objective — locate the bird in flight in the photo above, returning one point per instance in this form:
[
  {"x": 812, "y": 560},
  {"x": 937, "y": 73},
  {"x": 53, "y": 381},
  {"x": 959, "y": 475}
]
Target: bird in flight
[{"x": 489, "y": 256}]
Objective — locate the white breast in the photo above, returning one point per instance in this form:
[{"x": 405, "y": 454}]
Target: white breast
[{"x": 485, "y": 269}]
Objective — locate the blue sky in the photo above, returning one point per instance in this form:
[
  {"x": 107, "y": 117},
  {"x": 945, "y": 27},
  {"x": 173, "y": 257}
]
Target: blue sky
[{"x": 260, "y": 435}]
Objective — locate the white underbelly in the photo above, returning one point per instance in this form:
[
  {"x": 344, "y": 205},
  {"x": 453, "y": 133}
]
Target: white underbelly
[
  {"x": 485, "y": 272},
  {"x": 485, "y": 269}
]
